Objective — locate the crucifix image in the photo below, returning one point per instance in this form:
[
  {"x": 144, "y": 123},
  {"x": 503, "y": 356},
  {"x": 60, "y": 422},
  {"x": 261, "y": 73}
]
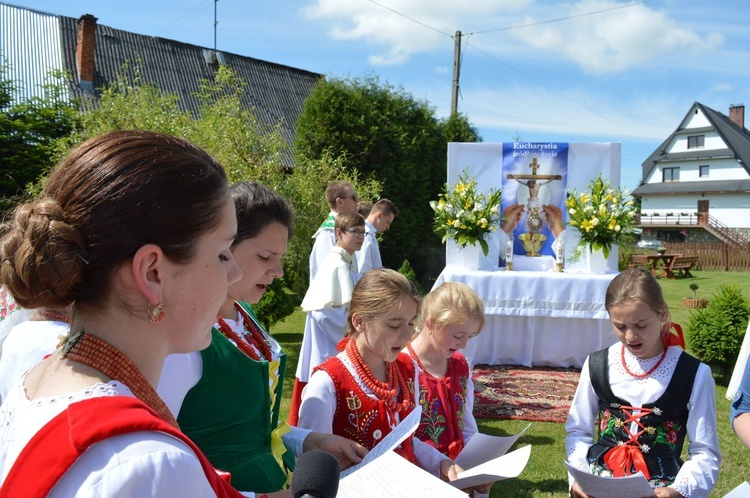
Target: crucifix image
[{"x": 533, "y": 241}]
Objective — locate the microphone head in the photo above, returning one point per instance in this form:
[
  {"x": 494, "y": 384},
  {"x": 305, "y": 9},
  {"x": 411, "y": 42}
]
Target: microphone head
[{"x": 316, "y": 474}]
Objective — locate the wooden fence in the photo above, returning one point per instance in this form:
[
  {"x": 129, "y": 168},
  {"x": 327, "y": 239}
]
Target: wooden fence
[{"x": 715, "y": 256}]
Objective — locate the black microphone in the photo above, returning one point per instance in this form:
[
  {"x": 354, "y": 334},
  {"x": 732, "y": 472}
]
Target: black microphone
[{"x": 316, "y": 475}]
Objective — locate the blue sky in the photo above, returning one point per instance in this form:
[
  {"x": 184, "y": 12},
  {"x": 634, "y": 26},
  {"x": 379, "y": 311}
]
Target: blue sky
[{"x": 581, "y": 71}]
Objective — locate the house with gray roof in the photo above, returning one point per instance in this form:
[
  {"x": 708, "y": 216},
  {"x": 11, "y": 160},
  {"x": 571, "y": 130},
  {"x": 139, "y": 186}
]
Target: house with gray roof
[
  {"x": 33, "y": 43},
  {"x": 699, "y": 177}
]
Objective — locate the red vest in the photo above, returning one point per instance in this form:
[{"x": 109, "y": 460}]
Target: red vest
[
  {"x": 443, "y": 402},
  {"x": 57, "y": 445},
  {"x": 361, "y": 418}
]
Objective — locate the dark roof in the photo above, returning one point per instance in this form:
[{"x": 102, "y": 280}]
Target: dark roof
[
  {"x": 275, "y": 91},
  {"x": 736, "y": 138},
  {"x": 702, "y": 187}
]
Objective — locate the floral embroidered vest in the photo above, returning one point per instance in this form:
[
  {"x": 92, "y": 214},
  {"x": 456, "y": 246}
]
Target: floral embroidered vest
[
  {"x": 361, "y": 418},
  {"x": 443, "y": 401},
  {"x": 663, "y": 432}
]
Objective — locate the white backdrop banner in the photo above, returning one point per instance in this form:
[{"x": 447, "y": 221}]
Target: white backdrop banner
[{"x": 491, "y": 163}]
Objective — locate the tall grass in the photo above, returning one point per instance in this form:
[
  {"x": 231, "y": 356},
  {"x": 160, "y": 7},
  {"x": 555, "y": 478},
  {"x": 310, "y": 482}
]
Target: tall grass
[{"x": 545, "y": 475}]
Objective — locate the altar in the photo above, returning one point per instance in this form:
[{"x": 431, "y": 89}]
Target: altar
[{"x": 537, "y": 318}]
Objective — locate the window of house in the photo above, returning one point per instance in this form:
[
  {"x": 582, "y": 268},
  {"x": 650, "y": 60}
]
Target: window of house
[
  {"x": 696, "y": 141},
  {"x": 670, "y": 174},
  {"x": 703, "y": 170}
]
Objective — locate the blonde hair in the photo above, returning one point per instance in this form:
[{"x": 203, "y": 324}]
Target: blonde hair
[
  {"x": 451, "y": 303},
  {"x": 637, "y": 285},
  {"x": 377, "y": 292}
]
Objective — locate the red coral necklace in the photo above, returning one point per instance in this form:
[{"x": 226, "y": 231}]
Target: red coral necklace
[
  {"x": 644, "y": 374},
  {"x": 253, "y": 336},
  {"x": 382, "y": 390}
]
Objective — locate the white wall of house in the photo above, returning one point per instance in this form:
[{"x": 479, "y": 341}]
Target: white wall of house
[
  {"x": 729, "y": 209},
  {"x": 718, "y": 169}
]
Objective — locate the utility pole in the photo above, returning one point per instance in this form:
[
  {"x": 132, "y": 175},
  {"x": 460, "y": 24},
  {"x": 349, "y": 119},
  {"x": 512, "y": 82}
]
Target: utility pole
[
  {"x": 456, "y": 73},
  {"x": 216, "y": 23}
]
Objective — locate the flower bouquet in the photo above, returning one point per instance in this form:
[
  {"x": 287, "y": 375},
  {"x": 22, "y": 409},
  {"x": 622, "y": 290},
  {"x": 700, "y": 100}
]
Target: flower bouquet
[
  {"x": 466, "y": 216},
  {"x": 601, "y": 215}
]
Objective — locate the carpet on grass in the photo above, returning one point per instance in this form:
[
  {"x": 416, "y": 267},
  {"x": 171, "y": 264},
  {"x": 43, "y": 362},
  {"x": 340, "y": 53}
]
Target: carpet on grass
[{"x": 542, "y": 394}]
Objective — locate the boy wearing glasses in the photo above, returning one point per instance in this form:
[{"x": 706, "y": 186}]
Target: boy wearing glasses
[
  {"x": 341, "y": 199},
  {"x": 327, "y": 303}
]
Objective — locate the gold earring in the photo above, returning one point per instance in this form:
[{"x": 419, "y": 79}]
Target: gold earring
[{"x": 155, "y": 313}]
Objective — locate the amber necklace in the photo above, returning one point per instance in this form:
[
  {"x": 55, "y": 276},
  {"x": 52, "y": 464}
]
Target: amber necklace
[
  {"x": 644, "y": 374},
  {"x": 382, "y": 390},
  {"x": 102, "y": 356}
]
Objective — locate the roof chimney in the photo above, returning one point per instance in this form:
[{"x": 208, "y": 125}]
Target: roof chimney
[
  {"x": 737, "y": 114},
  {"x": 85, "y": 48}
]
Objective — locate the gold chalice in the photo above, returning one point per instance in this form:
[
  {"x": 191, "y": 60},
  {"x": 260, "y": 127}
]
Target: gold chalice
[{"x": 532, "y": 243}]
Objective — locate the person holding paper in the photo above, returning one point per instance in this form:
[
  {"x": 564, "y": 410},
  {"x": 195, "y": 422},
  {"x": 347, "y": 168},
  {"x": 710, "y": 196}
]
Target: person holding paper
[
  {"x": 364, "y": 391},
  {"x": 450, "y": 316},
  {"x": 648, "y": 397}
]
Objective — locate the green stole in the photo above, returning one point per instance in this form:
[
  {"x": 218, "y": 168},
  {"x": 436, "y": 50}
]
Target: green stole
[{"x": 228, "y": 415}]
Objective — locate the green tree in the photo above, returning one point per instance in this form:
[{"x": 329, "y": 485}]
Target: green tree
[
  {"x": 28, "y": 129},
  {"x": 385, "y": 133}
]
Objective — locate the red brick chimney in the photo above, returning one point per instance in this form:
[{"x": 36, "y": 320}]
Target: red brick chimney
[
  {"x": 737, "y": 114},
  {"x": 85, "y": 48}
]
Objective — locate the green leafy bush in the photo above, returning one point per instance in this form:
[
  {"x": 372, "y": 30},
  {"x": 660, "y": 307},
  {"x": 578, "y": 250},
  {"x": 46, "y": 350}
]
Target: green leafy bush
[
  {"x": 715, "y": 333},
  {"x": 275, "y": 305},
  {"x": 407, "y": 271}
]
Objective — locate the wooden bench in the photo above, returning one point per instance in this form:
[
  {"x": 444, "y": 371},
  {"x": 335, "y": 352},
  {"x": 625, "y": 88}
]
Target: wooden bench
[
  {"x": 639, "y": 261},
  {"x": 684, "y": 264}
]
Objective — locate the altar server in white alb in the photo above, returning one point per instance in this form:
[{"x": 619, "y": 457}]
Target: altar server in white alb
[
  {"x": 377, "y": 221},
  {"x": 647, "y": 398},
  {"x": 327, "y": 303},
  {"x": 341, "y": 199}
]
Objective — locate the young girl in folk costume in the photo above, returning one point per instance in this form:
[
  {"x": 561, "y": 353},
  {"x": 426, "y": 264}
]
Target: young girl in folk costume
[
  {"x": 134, "y": 230},
  {"x": 450, "y": 316},
  {"x": 647, "y": 396},
  {"x": 327, "y": 303},
  {"x": 236, "y": 423},
  {"x": 368, "y": 387}
]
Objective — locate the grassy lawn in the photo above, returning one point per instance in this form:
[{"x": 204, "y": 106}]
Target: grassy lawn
[{"x": 545, "y": 476}]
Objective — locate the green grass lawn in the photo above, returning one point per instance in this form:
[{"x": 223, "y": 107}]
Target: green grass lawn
[{"x": 545, "y": 475}]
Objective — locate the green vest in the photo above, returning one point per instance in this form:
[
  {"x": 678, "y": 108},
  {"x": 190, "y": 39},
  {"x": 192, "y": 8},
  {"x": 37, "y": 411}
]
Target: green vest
[{"x": 228, "y": 415}]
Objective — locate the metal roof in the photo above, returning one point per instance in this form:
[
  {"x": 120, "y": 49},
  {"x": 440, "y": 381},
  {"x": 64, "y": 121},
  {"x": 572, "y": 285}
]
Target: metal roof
[
  {"x": 30, "y": 46},
  {"x": 38, "y": 41}
]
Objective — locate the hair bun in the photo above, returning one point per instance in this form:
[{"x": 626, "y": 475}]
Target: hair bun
[{"x": 42, "y": 256}]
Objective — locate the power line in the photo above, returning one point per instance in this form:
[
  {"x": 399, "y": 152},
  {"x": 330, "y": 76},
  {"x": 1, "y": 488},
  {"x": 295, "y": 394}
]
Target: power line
[
  {"x": 409, "y": 18},
  {"x": 559, "y": 18}
]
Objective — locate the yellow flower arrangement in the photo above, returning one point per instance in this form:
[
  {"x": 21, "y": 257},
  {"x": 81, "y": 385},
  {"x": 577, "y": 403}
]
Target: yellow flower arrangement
[
  {"x": 602, "y": 215},
  {"x": 466, "y": 216}
]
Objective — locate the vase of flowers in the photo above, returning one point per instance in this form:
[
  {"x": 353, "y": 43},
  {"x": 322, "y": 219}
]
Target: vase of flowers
[
  {"x": 602, "y": 216},
  {"x": 466, "y": 215}
]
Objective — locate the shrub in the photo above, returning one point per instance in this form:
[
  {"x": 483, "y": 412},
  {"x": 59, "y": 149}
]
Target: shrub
[
  {"x": 275, "y": 304},
  {"x": 407, "y": 271},
  {"x": 715, "y": 333}
]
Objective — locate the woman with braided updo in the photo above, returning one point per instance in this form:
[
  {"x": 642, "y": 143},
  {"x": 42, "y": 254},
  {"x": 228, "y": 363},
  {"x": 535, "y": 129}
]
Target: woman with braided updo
[{"x": 133, "y": 232}]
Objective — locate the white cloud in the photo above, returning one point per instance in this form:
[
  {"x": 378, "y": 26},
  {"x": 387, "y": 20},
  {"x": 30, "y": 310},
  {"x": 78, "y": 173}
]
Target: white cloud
[
  {"x": 416, "y": 26},
  {"x": 608, "y": 42},
  {"x": 617, "y": 40}
]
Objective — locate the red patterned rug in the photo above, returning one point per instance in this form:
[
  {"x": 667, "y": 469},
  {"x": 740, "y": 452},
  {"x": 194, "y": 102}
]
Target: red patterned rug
[{"x": 541, "y": 394}]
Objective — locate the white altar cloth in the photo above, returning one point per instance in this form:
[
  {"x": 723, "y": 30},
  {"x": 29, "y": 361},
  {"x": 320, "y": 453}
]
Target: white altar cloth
[{"x": 537, "y": 318}]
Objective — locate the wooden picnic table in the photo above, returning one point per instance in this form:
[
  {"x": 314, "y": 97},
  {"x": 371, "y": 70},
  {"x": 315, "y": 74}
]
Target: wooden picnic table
[{"x": 651, "y": 262}]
